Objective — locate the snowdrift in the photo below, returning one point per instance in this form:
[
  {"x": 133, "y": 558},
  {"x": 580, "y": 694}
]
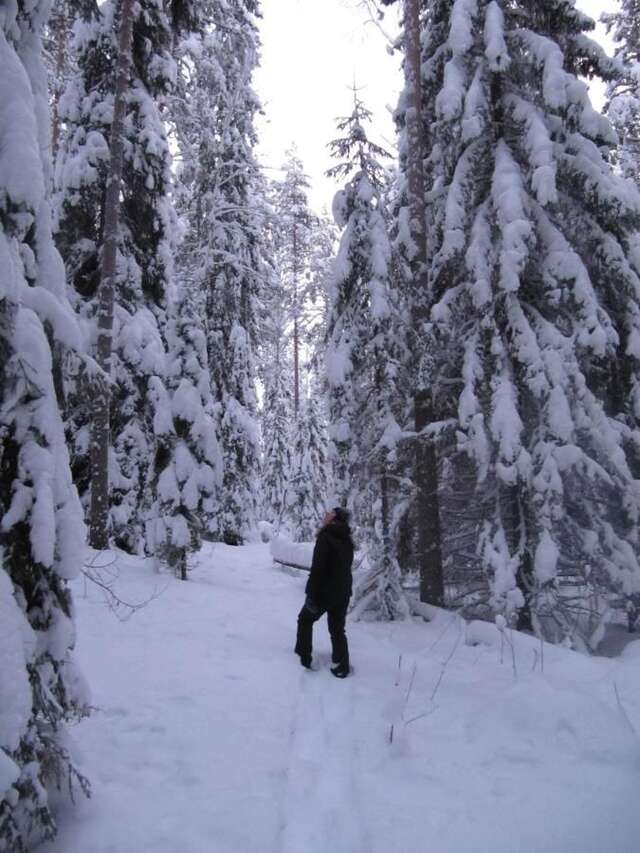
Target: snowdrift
[
  {"x": 210, "y": 738},
  {"x": 298, "y": 555}
]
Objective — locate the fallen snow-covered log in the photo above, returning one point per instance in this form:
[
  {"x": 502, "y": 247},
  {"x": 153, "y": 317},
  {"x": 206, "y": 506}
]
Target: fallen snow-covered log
[{"x": 297, "y": 555}]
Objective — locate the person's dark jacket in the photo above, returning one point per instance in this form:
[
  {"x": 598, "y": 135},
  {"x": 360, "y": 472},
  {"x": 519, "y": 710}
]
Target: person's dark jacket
[{"x": 330, "y": 581}]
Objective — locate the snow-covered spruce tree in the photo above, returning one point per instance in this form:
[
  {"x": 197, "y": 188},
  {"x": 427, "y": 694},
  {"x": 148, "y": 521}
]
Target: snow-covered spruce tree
[
  {"x": 294, "y": 305},
  {"x": 308, "y": 484},
  {"x": 58, "y": 55},
  {"x": 324, "y": 243},
  {"x": 535, "y": 280},
  {"x": 275, "y": 374},
  {"x": 362, "y": 359},
  {"x": 41, "y": 527},
  {"x": 293, "y": 246},
  {"x": 188, "y": 461},
  {"x": 623, "y": 107},
  {"x": 227, "y": 219},
  {"x": 144, "y": 256},
  {"x": 188, "y": 464},
  {"x": 411, "y": 239},
  {"x": 192, "y": 108},
  {"x": 277, "y": 453}
]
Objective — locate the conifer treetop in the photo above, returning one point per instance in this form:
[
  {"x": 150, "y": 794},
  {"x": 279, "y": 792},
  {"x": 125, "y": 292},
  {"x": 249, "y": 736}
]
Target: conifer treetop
[{"x": 354, "y": 150}]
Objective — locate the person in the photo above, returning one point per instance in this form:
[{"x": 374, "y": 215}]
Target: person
[{"x": 328, "y": 591}]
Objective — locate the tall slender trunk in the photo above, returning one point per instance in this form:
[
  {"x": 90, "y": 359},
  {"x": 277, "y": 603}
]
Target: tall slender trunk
[
  {"x": 101, "y": 404},
  {"x": 296, "y": 330},
  {"x": 60, "y": 27},
  {"x": 425, "y": 459},
  {"x": 384, "y": 516}
]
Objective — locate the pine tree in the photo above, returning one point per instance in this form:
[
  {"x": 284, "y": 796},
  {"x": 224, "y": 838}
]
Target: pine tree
[
  {"x": 58, "y": 58},
  {"x": 41, "y": 529},
  {"x": 535, "y": 302},
  {"x": 277, "y": 453},
  {"x": 275, "y": 373},
  {"x": 293, "y": 249},
  {"x": 308, "y": 485},
  {"x": 226, "y": 216},
  {"x": 188, "y": 462},
  {"x": 412, "y": 240},
  {"x": 295, "y": 305},
  {"x": 623, "y": 108},
  {"x": 362, "y": 360},
  {"x": 143, "y": 273},
  {"x": 192, "y": 114},
  {"x": 324, "y": 242},
  {"x": 188, "y": 458}
]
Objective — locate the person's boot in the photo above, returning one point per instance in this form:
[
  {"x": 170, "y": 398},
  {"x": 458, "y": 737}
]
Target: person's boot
[
  {"x": 341, "y": 670},
  {"x": 305, "y": 659}
]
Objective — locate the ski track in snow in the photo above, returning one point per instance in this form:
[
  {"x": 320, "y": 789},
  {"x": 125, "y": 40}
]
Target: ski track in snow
[
  {"x": 322, "y": 801},
  {"x": 210, "y": 737}
]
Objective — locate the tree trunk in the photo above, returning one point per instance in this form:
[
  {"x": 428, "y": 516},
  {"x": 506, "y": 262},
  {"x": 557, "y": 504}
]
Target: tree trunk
[
  {"x": 60, "y": 28},
  {"x": 518, "y": 540},
  {"x": 429, "y": 544},
  {"x": 425, "y": 461},
  {"x": 101, "y": 404},
  {"x": 384, "y": 516},
  {"x": 296, "y": 332},
  {"x": 524, "y": 581}
]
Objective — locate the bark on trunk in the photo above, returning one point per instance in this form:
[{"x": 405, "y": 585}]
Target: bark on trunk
[
  {"x": 425, "y": 461},
  {"x": 429, "y": 543},
  {"x": 101, "y": 404},
  {"x": 60, "y": 27},
  {"x": 296, "y": 332},
  {"x": 384, "y": 515}
]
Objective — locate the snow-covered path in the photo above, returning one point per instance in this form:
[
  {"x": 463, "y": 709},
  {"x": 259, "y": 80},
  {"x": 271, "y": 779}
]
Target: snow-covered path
[{"x": 210, "y": 738}]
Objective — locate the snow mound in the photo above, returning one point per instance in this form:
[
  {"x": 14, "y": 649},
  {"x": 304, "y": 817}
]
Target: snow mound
[
  {"x": 631, "y": 652},
  {"x": 297, "y": 554},
  {"x": 538, "y": 720}
]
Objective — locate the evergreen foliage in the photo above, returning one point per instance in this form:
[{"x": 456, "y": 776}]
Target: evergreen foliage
[
  {"x": 145, "y": 348},
  {"x": 275, "y": 373},
  {"x": 277, "y": 453},
  {"x": 325, "y": 237},
  {"x": 293, "y": 247},
  {"x": 362, "y": 360},
  {"x": 295, "y": 304},
  {"x": 534, "y": 303},
  {"x": 308, "y": 484},
  {"x": 224, "y": 210},
  {"x": 188, "y": 460},
  {"x": 145, "y": 256},
  {"x": 623, "y": 108},
  {"x": 41, "y": 528}
]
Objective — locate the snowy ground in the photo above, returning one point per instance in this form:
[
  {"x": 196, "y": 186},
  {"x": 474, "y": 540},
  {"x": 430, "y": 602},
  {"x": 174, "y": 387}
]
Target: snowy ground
[{"x": 210, "y": 738}]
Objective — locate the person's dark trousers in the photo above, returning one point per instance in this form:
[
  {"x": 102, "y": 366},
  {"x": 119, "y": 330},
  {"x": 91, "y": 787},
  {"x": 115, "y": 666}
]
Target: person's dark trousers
[{"x": 336, "y": 618}]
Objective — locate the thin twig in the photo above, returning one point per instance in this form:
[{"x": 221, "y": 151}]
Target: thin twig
[
  {"x": 421, "y": 716},
  {"x": 623, "y": 710},
  {"x": 411, "y": 680},
  {"x": 444, "y": 667},
  {"x": 114, "y": 601},
  {"x": 397, "y": 681}
]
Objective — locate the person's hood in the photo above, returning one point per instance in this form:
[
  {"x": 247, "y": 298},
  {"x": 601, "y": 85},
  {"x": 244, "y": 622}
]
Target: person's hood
[{"x": 339, "y": 530}]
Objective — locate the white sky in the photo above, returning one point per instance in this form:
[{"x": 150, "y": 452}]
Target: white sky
[{"x": 311, "y": 52}]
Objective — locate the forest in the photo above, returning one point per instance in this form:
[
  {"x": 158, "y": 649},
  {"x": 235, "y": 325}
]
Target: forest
[{"x": 192, "y": 357}]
